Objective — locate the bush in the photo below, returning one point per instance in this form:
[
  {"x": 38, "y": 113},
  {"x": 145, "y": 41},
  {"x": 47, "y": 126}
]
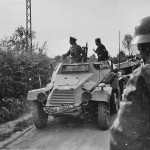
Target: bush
[
  {"x": 17, "y": 66},
  {"x": 11, "y": 108}
]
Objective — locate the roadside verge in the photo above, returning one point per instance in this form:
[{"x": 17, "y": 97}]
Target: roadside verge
[{"x": 12, "y": 130}]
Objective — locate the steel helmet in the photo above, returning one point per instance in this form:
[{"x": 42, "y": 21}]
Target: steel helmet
[{"x": 142, "y": 31}]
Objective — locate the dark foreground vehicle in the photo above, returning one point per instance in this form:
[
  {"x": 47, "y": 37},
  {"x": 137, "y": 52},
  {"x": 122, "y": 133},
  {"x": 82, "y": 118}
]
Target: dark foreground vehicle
[
  {"x": 77, "y": 90},
  {"x": 126, "y": 69}
]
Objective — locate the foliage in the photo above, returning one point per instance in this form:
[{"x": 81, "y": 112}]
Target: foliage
[
  {"x": 18, "y": 125},
  {"x": 20, "y": 71},
  {"x": 122, "y": 56},
  {"x": 10, "y": 108},
  {"x": 127, "y": 43},
  {"x": 92, "y": 58}
]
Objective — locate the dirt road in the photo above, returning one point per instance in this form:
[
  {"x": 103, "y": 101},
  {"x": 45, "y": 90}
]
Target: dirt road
[{"x": 60, "y": 134}]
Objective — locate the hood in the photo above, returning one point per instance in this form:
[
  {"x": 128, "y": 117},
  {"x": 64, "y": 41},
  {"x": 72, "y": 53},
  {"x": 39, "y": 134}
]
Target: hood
[{"x": 69, "y": 81}]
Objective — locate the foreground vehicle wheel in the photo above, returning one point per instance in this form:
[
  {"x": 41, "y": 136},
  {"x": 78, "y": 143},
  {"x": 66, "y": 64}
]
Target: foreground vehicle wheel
[
  {"x": 103, "y": 116},
  {"x": 39, "y": 116},
  {"x": 114, "y": 104}
]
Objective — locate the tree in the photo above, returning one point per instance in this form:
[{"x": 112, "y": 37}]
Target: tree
[
  {"x": 127, "y": 43},
  {"x": 122, "y": 56},
  {"x": 92, "y": 58},
  {"x": 17, "y": 65},
  {"x": 16, "y": 42}
]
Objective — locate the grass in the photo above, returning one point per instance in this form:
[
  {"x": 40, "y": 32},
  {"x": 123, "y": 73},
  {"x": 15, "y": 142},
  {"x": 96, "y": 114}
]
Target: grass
[
  {"x": 4, "y": 136},
  {"x": 19, "y": 126}
]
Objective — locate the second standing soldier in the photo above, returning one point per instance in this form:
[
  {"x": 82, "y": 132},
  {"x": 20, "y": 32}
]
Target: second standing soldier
[{"x": 101, "y": 51}]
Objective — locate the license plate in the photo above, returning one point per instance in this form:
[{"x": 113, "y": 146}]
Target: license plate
[{"x": 61, "y": 108}]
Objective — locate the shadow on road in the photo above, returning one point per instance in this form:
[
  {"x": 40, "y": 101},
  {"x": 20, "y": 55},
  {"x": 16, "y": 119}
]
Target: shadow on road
[
  {"x": 65, "y": 134},
  {"x": 74, "y": 123}
]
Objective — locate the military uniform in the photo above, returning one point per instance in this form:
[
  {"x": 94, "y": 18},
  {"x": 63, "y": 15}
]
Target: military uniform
[
  {"x": 101, "y": 53},
  {"x": 131, "y": 129},
  {"x": 76, "y": 53}
]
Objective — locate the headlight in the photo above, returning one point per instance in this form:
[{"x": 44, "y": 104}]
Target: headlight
[
  {"x": 41, "y": 97},
  {"x": 86, "y": 95}
]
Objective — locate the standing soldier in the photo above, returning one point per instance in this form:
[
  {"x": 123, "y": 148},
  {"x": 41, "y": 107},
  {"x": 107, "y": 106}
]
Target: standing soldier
[
  {"x": 131, "y": 129},
  {"x": 75, "y": 51},
  {"x": 101, "y": 51}
]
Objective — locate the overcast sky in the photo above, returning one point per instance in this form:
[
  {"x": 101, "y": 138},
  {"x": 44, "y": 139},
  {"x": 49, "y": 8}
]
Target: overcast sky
[{"x": 55, "y": 21}]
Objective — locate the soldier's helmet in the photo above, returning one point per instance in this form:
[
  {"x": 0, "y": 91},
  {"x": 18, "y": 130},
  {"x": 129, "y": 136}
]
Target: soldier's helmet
[{"x": 142, "y": 31}]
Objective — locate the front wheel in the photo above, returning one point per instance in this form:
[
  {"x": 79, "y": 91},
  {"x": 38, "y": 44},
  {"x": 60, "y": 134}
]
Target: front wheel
[
  {"x": 103, "y": 116},
  {"x": 39, "y": 116}
]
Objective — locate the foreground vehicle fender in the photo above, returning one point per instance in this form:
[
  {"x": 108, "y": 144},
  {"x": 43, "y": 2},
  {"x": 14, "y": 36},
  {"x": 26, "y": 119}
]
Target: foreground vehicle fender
[
  {"x": 99, "y": 95},
  {"x": 103, "y": 115}
]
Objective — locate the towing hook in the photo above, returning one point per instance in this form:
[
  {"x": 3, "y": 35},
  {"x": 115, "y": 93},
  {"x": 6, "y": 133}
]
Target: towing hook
[{"x": 85, "y": 103}]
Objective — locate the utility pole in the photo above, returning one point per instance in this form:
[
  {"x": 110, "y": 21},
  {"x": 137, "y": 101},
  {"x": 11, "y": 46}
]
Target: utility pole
[
  {"x": 28, "y": 27},
  {"x": 119, "y": 50}
]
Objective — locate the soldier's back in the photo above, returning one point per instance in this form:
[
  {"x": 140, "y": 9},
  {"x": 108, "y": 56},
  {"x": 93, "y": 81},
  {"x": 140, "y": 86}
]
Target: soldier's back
[{"x": 131, "y": 129}]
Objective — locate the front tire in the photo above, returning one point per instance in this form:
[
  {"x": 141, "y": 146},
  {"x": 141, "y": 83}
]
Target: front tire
[
  {"x": 39, "y": 116},
  {"x": 103, "y": 116}
]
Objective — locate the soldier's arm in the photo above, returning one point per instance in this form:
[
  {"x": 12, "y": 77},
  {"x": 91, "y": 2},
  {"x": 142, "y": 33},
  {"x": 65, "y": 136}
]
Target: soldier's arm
[
  {"x": 80, "y": 50},
  {"x": 65, "y": 55},
  {"x": 94, "y": 50},
  {"x": 97, "y": 50}
]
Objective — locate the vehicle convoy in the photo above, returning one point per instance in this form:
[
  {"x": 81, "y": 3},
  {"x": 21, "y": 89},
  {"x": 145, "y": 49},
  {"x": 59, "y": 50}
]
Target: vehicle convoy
[
  {"x": 77, "y": 89},
  {"x": 126, "y": 69}
]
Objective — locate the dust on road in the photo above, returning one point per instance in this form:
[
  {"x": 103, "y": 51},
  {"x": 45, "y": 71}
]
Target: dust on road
[{"x": 66, "y": 134}]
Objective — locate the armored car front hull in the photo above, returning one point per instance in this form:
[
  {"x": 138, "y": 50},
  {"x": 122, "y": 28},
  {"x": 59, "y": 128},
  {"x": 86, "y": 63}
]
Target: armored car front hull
[{"x": 78, "y": 90}]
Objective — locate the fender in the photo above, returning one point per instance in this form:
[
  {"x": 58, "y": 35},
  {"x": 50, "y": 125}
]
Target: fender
[
  {"x": 32, "y": 95},
  {"x": 99, "y": 95}
]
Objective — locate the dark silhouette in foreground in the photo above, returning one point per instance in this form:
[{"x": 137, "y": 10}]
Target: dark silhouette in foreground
[{"x": 131, "y": 129}]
